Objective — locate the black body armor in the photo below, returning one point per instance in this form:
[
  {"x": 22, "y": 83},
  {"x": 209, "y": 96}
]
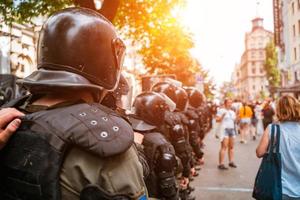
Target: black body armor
[
  {"x": 31, "y": 161},
  {"x": 160, "y": 155}
]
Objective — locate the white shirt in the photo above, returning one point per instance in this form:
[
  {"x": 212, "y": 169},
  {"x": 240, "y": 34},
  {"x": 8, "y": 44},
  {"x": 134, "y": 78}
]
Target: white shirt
[{"x": 229, "y": 118}]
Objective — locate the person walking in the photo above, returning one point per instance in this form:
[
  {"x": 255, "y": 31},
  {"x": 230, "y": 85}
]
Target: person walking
[
  {"x": 288, "y": 115},
  {"x": 245, "y": 115},
  {"x": 259, "y": 117},
  {"x": 226, "y": 116},
  {"x": 268, "y": 113}
]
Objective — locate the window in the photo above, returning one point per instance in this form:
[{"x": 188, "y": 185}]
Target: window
[
  {"x": 253, "y": 87},
  {"x": 293, "y": 8},
  {"x": 294, "y": 30},
  {"x": 261, "y": 70},
  {"x": 298, "y": 3},
  {"x": 253, "y": 70},
  {"x": 299, "y": 26},
  {"x": 295, "y": 53},
  {"x": 253, "y": 63}
]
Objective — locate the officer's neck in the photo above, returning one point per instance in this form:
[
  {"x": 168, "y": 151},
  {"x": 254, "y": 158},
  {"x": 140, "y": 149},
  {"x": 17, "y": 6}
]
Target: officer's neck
[{"x": 53, "y": 99}]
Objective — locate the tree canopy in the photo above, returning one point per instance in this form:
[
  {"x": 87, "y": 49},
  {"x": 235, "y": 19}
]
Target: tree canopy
[
  {"x": 164, "y": 43},
  {"x": 270, "y": 65}
]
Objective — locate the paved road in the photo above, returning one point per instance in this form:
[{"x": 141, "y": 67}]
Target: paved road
[{"x": 232, "y": 184}]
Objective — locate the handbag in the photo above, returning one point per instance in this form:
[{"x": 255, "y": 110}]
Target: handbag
[{"x": 267, "y": 184}]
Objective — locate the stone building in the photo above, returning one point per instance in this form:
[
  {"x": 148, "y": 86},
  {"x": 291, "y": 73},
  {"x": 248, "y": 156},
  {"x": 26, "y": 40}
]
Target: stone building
[
  {"x": 250, "y": 76},
  {"x": 18, "y": 49},
  {"x": 287, "y": 40}
]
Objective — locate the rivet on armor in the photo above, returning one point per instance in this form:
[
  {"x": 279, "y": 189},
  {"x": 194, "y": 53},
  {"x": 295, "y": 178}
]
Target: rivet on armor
[
  {"x": 105, "y": 119},
  {"x": 94, "y": 110},
  {"x": 104, "y": 134},
  {"x": 83, "y": 114},
  {"x": 115, "y": 128},
  {"x": 94, "y": 122}
]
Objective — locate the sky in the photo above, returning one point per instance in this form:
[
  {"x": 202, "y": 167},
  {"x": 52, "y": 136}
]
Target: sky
[{"x": 219, "y": 28}]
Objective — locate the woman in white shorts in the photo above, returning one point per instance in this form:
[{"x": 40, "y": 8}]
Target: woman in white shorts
[{"x": 226, "y": 116}]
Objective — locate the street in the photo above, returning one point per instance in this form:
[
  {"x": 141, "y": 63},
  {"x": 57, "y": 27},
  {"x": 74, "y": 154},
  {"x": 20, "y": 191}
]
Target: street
[{"x": 232, "y": 184}]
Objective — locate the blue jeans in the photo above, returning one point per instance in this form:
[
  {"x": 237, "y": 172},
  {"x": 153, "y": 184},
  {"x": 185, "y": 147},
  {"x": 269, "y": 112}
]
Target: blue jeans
[{"x": 285, "y": 197}]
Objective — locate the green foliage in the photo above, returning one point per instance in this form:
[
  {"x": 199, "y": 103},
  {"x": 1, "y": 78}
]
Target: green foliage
[
  {"x": 165, "y": 42},
  {"x": 270, "y": 65},
  {"x": 22, "y": 11}
]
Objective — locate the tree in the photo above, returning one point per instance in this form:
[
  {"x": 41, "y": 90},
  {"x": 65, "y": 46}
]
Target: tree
[
  {"x": 270, "y": 65},
  {"x": 164, "y": 43},
  {"x": 24, "y": 11}
]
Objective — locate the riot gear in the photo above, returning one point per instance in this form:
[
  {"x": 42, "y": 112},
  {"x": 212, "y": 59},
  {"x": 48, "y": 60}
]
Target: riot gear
[
  {"x": 196, "y": 98},
  {"x": 182, "y": 99},
  {"x": 166, "y": 88},
  {"x": 80, "y": 41},
  {"x": 66, "y": 138},
  {"x": 151, "y": 107}
]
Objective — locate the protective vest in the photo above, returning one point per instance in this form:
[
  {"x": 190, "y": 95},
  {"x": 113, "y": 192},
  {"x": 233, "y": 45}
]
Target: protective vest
[
  {"x": 31, "y": 161},
  {"x": 161, "y": 160}
]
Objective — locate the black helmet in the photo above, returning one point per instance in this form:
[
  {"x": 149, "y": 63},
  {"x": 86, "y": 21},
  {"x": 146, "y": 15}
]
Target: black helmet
[
  {"x": 167, "y": 88},
  {"x": 196, "y": 98},
  {"x": 78, "y": 41},
  {"x": 182, "y": 99},
  {"x": 151, "y": 107}
]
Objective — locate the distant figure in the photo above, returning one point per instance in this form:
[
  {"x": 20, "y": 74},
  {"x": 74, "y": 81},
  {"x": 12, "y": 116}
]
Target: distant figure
[
  {"x": 288, "y": 114},
  {"x": 245, "y": 115},
  {"x": 259, "y": 117},
  {"x": 268, "y": 113}
]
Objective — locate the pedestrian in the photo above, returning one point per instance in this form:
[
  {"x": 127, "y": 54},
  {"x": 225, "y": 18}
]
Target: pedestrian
[
  {"x": 259, "y": 117},
  {"x": 9, "y": 123},
  {"x": 69, "y": 146},
  {"x": 288, "y": 115},
  {"x": 226, "y": 116},
  {"x": 268, "y": 113},
  {"x": 254, "y": 121},
  {"x": 245, "y": 115}
]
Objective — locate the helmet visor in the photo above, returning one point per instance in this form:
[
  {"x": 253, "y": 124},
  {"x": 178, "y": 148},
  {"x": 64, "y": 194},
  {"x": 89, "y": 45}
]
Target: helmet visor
[{"x": 171, "y": 104}]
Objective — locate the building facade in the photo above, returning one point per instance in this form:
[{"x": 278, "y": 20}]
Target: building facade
[
  {"x": 287, "y": 40},
  {"x": 249, "y": 75},
  {"x": 18, "y": 49}
]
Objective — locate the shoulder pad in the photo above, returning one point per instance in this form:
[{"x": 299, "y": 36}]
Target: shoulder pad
[
  {"x": 93, "y": 127},
  {"x": 140, "y": 125},
  {"x": 192, "y": 114},
  {"x": 184, "y": 118},
  {"x": 155, "y": 138}
]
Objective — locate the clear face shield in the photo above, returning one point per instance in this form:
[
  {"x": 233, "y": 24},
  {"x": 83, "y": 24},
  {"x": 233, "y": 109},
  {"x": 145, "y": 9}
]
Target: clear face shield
[{"x": 171, "y": 104}]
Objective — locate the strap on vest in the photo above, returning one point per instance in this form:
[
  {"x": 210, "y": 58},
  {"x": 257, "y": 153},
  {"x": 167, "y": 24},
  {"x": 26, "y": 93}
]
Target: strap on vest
[{"x": 94, "y": 192}]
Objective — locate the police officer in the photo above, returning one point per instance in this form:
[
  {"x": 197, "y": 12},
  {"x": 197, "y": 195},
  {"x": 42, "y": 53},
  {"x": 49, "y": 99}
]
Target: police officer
[
  {"x": 150, "y": 108},
  {"x": 174, "y": 128},
  {"x": 196, "y": 103},
  {"x": 68, "y": 145}
]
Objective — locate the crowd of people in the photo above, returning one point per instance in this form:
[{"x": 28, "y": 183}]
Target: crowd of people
[
  {"x": 246, "y": 119},
  {"x": 73, "y": 139}
]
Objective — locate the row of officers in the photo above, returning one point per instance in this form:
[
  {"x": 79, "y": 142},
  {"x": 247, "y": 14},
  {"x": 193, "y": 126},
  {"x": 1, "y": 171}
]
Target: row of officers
[{"x": 75, "y": 141}]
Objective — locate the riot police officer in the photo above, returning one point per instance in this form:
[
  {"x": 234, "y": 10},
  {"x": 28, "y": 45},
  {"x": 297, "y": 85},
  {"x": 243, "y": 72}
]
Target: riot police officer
[
  {"x": 174, "y": 128},
  {"x": 68, "y": 145},
  {"x": 150, "y": 108}
]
